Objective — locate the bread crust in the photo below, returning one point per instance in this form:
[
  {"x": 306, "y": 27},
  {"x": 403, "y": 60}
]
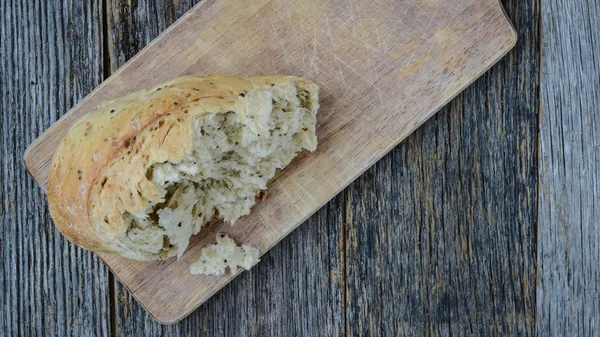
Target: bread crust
[{"x": 99, "y": 170}]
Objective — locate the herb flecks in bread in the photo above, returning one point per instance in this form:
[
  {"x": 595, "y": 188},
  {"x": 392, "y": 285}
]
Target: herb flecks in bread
[
  {"x": 216, "y": 258},
  {"x": 143, "y": 173}
]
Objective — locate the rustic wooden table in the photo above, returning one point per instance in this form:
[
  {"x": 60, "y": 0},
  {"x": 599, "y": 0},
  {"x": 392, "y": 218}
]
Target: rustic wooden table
[{"x": 486, "y": 221}]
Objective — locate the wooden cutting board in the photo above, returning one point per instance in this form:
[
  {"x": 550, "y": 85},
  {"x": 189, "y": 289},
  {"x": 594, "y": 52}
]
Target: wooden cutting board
[{"x": 384, "y": 68}]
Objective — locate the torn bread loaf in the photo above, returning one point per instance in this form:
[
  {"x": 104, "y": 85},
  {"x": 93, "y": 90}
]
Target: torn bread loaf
[
  {"x": 145, "y": 172},
  {"x": 216, "y": 258}
]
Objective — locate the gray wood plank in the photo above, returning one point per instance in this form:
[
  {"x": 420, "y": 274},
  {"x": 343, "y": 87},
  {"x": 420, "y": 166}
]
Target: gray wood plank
[
  {"x": 568, "y": 285},
  {"x": 297, "y": 288},
  {"x": 50, "y": 57},
  {"x": 441, "y": 236}
]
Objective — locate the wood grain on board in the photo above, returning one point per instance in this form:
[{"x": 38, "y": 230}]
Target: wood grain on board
[{"x": 384, "y": 69}]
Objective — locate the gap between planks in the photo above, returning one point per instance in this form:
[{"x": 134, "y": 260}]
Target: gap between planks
[{"x": 106, "y": 74}]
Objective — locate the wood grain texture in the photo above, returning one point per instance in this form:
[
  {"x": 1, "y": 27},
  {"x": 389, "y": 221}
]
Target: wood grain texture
[
  {"x": 296, "y": 290},
  {"x": 50, "y": 58},
  {"x": 383, "y": 68},
  {"x": 441, "y": 232},
  {"x": 569, "y": 205}
]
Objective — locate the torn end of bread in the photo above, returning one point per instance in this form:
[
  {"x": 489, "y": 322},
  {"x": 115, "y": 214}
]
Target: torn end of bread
[
  {"x": 216, "y": 258},
  {"x": 231, "y": 162},
  {"x": 176, "y": 157}
]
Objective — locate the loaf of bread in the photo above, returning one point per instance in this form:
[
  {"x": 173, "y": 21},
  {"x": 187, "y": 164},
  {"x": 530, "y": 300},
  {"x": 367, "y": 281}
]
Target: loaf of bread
[{"x": 143, "y": 173}]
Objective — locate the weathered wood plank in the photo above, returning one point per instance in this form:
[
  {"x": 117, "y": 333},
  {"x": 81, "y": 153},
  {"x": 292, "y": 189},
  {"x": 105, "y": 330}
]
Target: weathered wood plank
[
  {"x": 568, "y": 288},
  {"x": 133, "y": 24},
  {"x": 441, "y": 236},
  {"x": 297, "y": 289},
  {"x": 50, "y": 57}
]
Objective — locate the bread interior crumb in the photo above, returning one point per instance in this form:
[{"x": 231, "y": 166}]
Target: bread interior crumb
[{"x": 234, "y": 156}]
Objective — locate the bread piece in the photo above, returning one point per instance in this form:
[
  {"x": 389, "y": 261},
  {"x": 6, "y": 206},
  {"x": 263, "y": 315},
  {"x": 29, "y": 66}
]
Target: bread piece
[
  {"x": 215, "y": 259},
  {"x": 143, "y": 173}
]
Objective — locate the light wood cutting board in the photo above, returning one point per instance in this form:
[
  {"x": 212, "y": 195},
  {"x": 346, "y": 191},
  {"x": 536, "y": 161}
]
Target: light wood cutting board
[{"x": 384, "y": 67}]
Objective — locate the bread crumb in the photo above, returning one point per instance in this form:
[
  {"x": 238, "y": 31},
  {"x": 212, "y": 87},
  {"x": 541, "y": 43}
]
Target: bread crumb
[{"x": 216, "y": 258}]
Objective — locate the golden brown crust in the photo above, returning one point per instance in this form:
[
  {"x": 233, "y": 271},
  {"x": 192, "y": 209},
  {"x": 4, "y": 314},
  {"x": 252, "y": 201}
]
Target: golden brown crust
[{"x": 98, "y": 170}]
